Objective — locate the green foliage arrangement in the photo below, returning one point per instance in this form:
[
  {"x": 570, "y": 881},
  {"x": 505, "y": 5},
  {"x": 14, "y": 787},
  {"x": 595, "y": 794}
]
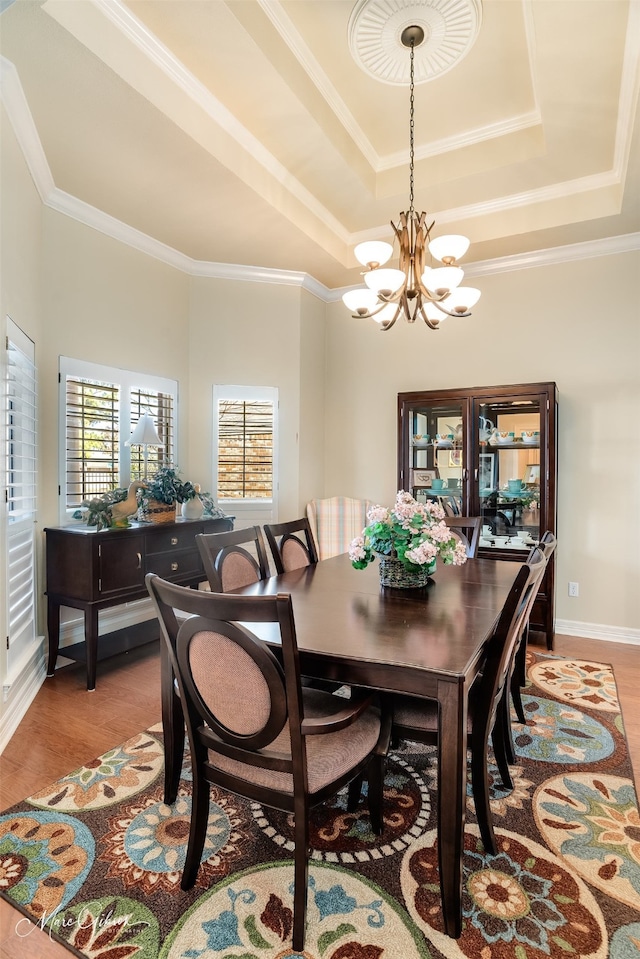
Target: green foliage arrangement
[
  {"x": 166, "y": 487},
  {"x": 97, "y": 511}
]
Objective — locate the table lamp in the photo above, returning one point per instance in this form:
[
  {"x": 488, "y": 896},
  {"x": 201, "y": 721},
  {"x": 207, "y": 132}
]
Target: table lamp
[{"x": 144, "y": 435}]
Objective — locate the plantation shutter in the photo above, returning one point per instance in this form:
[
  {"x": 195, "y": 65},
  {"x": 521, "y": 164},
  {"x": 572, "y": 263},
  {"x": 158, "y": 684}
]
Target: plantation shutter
[
  {"x": 20, "y": 430},
  {"x": 245, "y": 449},
  {"x": 99, "y": 409},
  {"x": 92, "y": 439}
]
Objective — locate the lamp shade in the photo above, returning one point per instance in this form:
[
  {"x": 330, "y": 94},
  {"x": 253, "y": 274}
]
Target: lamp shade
[
  {"x": 432, "y": 311},
  {"x": 373, "y": 251},
  {"x": 385, "y": 281},
  {"x": 461, "y": 299},
  {"x": 443, "y": 279},
  {"x": 448, "y": 248},
  {"x": 360, "y": 300},
  {"x": 144, "y": 433}
]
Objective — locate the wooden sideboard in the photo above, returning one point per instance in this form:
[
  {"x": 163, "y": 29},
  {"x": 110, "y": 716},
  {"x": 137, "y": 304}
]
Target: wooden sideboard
[{"x": 92, "y": 570}]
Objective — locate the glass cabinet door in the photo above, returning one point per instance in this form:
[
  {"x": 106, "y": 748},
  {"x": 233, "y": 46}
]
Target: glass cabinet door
[
  {"x": 508, "y": 473},
  {"x": 435, "y": 439}
]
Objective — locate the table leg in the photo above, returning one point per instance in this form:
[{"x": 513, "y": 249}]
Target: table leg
[
  {"x": 452, "y": 783},
  {"x": 91, "y": 644},
  {"x": 172, "y": 727},
  {"x": 53, "y": 632}
]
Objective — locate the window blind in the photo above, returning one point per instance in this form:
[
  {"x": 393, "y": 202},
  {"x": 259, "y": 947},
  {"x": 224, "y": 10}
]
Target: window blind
[{"x": 245, "y": 449}]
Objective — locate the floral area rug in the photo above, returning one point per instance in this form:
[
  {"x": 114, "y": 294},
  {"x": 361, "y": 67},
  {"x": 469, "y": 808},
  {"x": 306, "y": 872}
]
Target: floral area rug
[{"x": 96, "y": 858}]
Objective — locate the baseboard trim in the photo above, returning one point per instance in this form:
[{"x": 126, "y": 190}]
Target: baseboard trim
[
  {"x": 609, "y": 634},
  {"x": 21, "y": 693}
]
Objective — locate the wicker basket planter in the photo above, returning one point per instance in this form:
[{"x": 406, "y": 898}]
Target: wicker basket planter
[
  {"x": 395, "y": 574},
  {"x": 156, "y": 512}
]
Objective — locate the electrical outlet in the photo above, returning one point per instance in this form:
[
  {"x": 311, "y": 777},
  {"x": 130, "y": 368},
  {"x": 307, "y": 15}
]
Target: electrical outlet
[{"x": 574, "y": 589}]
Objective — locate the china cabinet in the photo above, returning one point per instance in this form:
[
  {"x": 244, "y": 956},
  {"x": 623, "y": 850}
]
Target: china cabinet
[{"x": 488, "y": 451}]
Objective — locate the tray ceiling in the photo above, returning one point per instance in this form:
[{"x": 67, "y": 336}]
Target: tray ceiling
[{"x": 246, "y": 131}]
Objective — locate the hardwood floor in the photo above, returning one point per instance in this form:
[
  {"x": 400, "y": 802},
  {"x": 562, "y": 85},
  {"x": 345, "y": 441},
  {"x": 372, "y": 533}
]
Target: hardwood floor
[{"x": 66, "y": 726}]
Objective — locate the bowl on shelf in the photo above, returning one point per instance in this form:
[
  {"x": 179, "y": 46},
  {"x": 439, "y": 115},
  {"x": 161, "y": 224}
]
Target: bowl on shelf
[
  {"x": 504, "y": 438},
  {"x": 421, "y": 439},
  {"x": 444, "y": 440},
  {"x": 530, "y": 437}
]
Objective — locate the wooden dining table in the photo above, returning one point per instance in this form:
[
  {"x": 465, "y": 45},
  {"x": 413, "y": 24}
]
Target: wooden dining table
[{"x": 427, "y": 642}]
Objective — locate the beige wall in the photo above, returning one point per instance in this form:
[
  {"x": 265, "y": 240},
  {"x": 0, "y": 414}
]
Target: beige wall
[
  {"x": 255, "y": 334},
  {"x": 576, "y": 323},
  {"x": 79, "y": 293}
]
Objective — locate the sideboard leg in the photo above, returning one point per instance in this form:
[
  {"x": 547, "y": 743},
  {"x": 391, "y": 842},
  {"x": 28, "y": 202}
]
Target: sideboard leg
[
  {"x": 53, "y": 631},
  {"x": 91, "y": 644}
]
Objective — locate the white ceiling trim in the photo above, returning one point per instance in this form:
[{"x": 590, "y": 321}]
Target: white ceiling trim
[
  {"x": 24, "y": 128},
  {"x": 608, "y": 246},
  {"x": 293, "y": 39},
  {"x": 148, "y": 44},
  {"x": 629, "y": 87},
  {"x": 470, "y": 138},
  {"x": 274, "y": 11}
]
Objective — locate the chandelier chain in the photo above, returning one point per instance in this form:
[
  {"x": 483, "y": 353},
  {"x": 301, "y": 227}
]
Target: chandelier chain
[{"x": 411, "y": 126}]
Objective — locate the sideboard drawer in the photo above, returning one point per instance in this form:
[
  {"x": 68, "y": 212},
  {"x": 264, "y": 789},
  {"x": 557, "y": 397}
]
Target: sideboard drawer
[
  {"x": 175, "y": 565},
  {"x": 160, "y": 540}
]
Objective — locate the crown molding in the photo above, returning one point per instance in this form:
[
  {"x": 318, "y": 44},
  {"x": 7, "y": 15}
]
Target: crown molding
[
  {"x": 55, "y": 199},
  {"x": 608, "y": 246}
]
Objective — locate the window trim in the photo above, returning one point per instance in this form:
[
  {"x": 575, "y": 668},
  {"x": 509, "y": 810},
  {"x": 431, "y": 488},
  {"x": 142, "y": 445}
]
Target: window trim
[
  {"x": 126, "y": 380},
  {"x": 264, "y": 394}
]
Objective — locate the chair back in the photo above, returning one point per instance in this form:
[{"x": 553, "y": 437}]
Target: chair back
[
  {"x": 335, "y": 522},
  {"x": 467, "y": 529},
  {"x": 501, "y": 646},
  {"x": 291, "y": 544},
  {"x": 548, "y": 544},
  {"x": 227, "y": 561},
  {"x": 237, "y": 697}
]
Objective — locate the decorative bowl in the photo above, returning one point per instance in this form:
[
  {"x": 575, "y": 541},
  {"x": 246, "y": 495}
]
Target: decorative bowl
[
  {"x": 504, "y": 438},
  {"x": 421, "y": 439},
  {"x": 530, "y": 437}
]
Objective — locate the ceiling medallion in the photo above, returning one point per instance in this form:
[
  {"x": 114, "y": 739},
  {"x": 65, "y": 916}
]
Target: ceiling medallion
[{"x": 375, "y": 29}]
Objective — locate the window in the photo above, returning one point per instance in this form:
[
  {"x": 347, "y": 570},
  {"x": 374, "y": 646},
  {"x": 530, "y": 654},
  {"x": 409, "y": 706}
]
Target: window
[
  {"x": 99, "y": 408},
  {"x": 245, "y": 444},
  {"x": 20, "y": 468}
]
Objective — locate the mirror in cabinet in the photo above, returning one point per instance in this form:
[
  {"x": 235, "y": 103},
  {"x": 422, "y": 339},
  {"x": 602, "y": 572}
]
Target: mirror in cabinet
[
  {"x": 434, "y": 439},
  {"x": 508, "y": 484}
]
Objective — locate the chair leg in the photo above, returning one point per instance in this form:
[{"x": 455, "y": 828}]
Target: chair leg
[
  {"x": 355, "y": 791},
  {"x": 376, "y": 791},
  {"x": 301, "y": 874},
  {"x": 480, "y": 790},
  {"x": 500, "y": 748},
  {"x": 197, "y": 831},
  {"x": 503, "y": 716}
]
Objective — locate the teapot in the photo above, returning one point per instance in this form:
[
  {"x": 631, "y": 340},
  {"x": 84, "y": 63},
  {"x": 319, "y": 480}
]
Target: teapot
[{"x": 486, "y": 429}]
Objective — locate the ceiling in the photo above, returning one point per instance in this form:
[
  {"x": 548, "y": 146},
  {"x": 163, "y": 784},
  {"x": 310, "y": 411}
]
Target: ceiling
[{"x": 245, "y": 132}]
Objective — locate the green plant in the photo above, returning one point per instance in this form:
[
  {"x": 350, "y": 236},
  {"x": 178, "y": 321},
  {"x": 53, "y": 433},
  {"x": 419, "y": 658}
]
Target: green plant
[
  {"x": 97, "y": 511},
  {"x": 166, "y": 487}
]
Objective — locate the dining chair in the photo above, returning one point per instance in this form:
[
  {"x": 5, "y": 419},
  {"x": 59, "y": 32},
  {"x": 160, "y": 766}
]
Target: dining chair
[
  {"x": 291, "y": 544},
  {"x": 227, "y": 561},
  {"x": 335, "y": 522},
  {"x": 417, "y": 719},
  {"x": 254, "y": 730},
  {"x": 467, "y": 529},
  {"x": 518, "y": 680}
]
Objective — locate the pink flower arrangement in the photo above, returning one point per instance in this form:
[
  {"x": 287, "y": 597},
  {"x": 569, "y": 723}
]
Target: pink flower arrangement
[{"x": 414, "y": 533}]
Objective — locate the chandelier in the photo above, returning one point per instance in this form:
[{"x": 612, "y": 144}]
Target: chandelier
[{"x": 415, "y": 290}]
